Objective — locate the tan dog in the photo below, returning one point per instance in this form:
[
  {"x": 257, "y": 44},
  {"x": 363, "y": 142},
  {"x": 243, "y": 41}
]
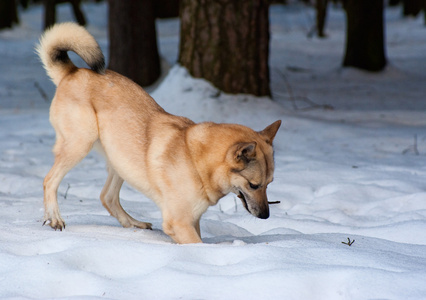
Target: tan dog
[{"x": 182, "y": 166}]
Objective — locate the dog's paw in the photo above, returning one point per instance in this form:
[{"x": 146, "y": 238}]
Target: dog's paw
[
  {"x": 128, "y": 222},
  {"x": 55, "y": 224},
  {"x": 142, "y": 225}
]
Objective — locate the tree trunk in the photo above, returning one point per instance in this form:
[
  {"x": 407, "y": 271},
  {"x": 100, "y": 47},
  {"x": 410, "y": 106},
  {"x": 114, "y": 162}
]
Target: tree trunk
[
  {"x": 424, "y": 11},
  {"x": 50, "y": 12},
  {"x": 412, "y": 7},
  {"x": 166, "y": 8},
  {"x": 78, "y": 13},
  {"x": 133, "y": 48},
  {"x": 321, "y": 11},
  {"x": 8, "y": 13},
  {"x": 365, "y": 47},
  {"x": 227, "y": 43}
]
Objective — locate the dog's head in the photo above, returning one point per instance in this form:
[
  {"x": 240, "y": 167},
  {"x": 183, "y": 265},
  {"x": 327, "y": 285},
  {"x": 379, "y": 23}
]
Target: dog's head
[{"x": 252, "y": 169}]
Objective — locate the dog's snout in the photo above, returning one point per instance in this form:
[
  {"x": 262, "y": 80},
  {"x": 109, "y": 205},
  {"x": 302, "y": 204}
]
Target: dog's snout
[
  {"x": 260, "y": 205},
  {"x": 264, "y": 214}
]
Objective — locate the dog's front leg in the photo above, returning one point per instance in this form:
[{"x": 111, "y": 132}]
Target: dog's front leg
[
  {"x": 197, "y": 227},
  {"x": 182, "y": 231}
]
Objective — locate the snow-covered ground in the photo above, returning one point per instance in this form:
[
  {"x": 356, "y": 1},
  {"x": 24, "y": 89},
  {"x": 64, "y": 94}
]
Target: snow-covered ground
[{"x": 357, "y": 171}]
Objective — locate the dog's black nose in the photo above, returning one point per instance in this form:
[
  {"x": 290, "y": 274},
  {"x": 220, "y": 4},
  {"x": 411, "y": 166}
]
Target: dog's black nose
[{"x": 264, "y": 214}]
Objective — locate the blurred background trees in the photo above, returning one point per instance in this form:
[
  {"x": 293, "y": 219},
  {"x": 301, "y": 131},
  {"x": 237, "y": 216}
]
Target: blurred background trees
[
  {"x": 50, "y": 12},
  {"x": 8, "y": 14},
  {"x": 223, "y": 41}
]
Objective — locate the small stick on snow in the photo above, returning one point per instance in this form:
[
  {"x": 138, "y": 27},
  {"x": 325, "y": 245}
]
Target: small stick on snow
[
  {"x": 412, "y": 147},
  {"x": 292, "y": 98},
  {"x": 66, "y": 192},
  {"x": 41, "y": 91},
  {"x": 274, "y": 202},
  {"x": 349, "y": 243}
]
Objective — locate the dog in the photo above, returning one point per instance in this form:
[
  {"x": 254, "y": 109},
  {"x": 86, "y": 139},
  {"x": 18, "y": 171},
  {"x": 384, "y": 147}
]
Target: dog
[{"x": 182, "y": 166}]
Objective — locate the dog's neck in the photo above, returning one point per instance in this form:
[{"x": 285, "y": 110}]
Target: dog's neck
[
  {"x": 209, "y": 145},
  {"x": 208, "y": 155}
]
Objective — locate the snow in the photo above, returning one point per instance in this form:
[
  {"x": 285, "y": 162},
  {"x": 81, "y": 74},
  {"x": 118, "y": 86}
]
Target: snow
[{"x": 356, "y": 171}]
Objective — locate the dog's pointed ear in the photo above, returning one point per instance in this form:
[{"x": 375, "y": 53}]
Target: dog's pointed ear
[
  {"x": 245, "y": 152},
  {"x": 269, "y": 132}
]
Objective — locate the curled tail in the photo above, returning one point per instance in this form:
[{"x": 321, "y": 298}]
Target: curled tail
[{"x": 61, "y": 38}]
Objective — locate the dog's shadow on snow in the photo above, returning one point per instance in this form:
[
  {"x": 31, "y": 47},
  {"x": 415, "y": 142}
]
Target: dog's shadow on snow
[
  {"x": 217, "y": 232},
  {"x": 213, "y": 232},
  {"x": 240, "y": 241}
]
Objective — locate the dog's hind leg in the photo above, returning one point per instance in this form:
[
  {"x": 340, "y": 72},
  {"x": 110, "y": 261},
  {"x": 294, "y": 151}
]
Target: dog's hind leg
[
  {"x": 76, "y": 131},
  {"x": 110, "y": 197},
  {"x": 67, "y": 154}
]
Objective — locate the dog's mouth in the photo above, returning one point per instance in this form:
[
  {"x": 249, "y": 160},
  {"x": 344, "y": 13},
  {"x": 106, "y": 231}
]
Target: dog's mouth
[
  {"x": 243, "y": 200},
  {"x": 257, "y": 211}
]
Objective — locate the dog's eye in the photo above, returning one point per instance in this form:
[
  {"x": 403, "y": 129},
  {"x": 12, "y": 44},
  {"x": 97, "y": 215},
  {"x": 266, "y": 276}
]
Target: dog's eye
[{"x": 254, "y": 186}]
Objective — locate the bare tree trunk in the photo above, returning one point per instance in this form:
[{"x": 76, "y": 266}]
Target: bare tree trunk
[
  {"x": 412, "y": 7},
  {"x": 50, "y": 12},
  {"x": 227, "y": 43},
  {"x": 133, "y": 40},
  {"x": 166, "y": 8},
  {"x": 424, "y": 11},
  {"x": 321, "y": 10},
  {"x": 8, "y": 13},
  {"x": 365, "y": 47},
  {"x": 78, "y": 13}
]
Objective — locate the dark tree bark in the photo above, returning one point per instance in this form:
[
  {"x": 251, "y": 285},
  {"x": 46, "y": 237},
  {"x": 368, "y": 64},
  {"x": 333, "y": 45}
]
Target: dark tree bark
[
  {"x": 133, "y": 48},
  {"x": 8, "y": 14},
  {"x": 424, "y": 11},
  {"x": 394, "y": 2},
  {"x": 227, "y": 43},
  {"x": 365, "y": 47},
  {"x": 50, "y": 12},
  {"x": 166, "y": 8},
  {"x": 321, "y": 10},
  {"x": 412, "y": 7},
  {"x": 78, "y": 13}
]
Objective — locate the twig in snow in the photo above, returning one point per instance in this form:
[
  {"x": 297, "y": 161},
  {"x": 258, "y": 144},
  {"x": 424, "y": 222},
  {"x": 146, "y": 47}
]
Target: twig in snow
[
  {"x": 289, "y": 89},
  {"x": 349, "y": 243},
  {"x": 412, "y": 147},
  {"x": 312, "y": 31},
  {"x": 41, "y": 91},
  {"x": 66, "y": 192},
  {"x": 292, "y": 98},
  {"x": 314, "y": 105}
]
